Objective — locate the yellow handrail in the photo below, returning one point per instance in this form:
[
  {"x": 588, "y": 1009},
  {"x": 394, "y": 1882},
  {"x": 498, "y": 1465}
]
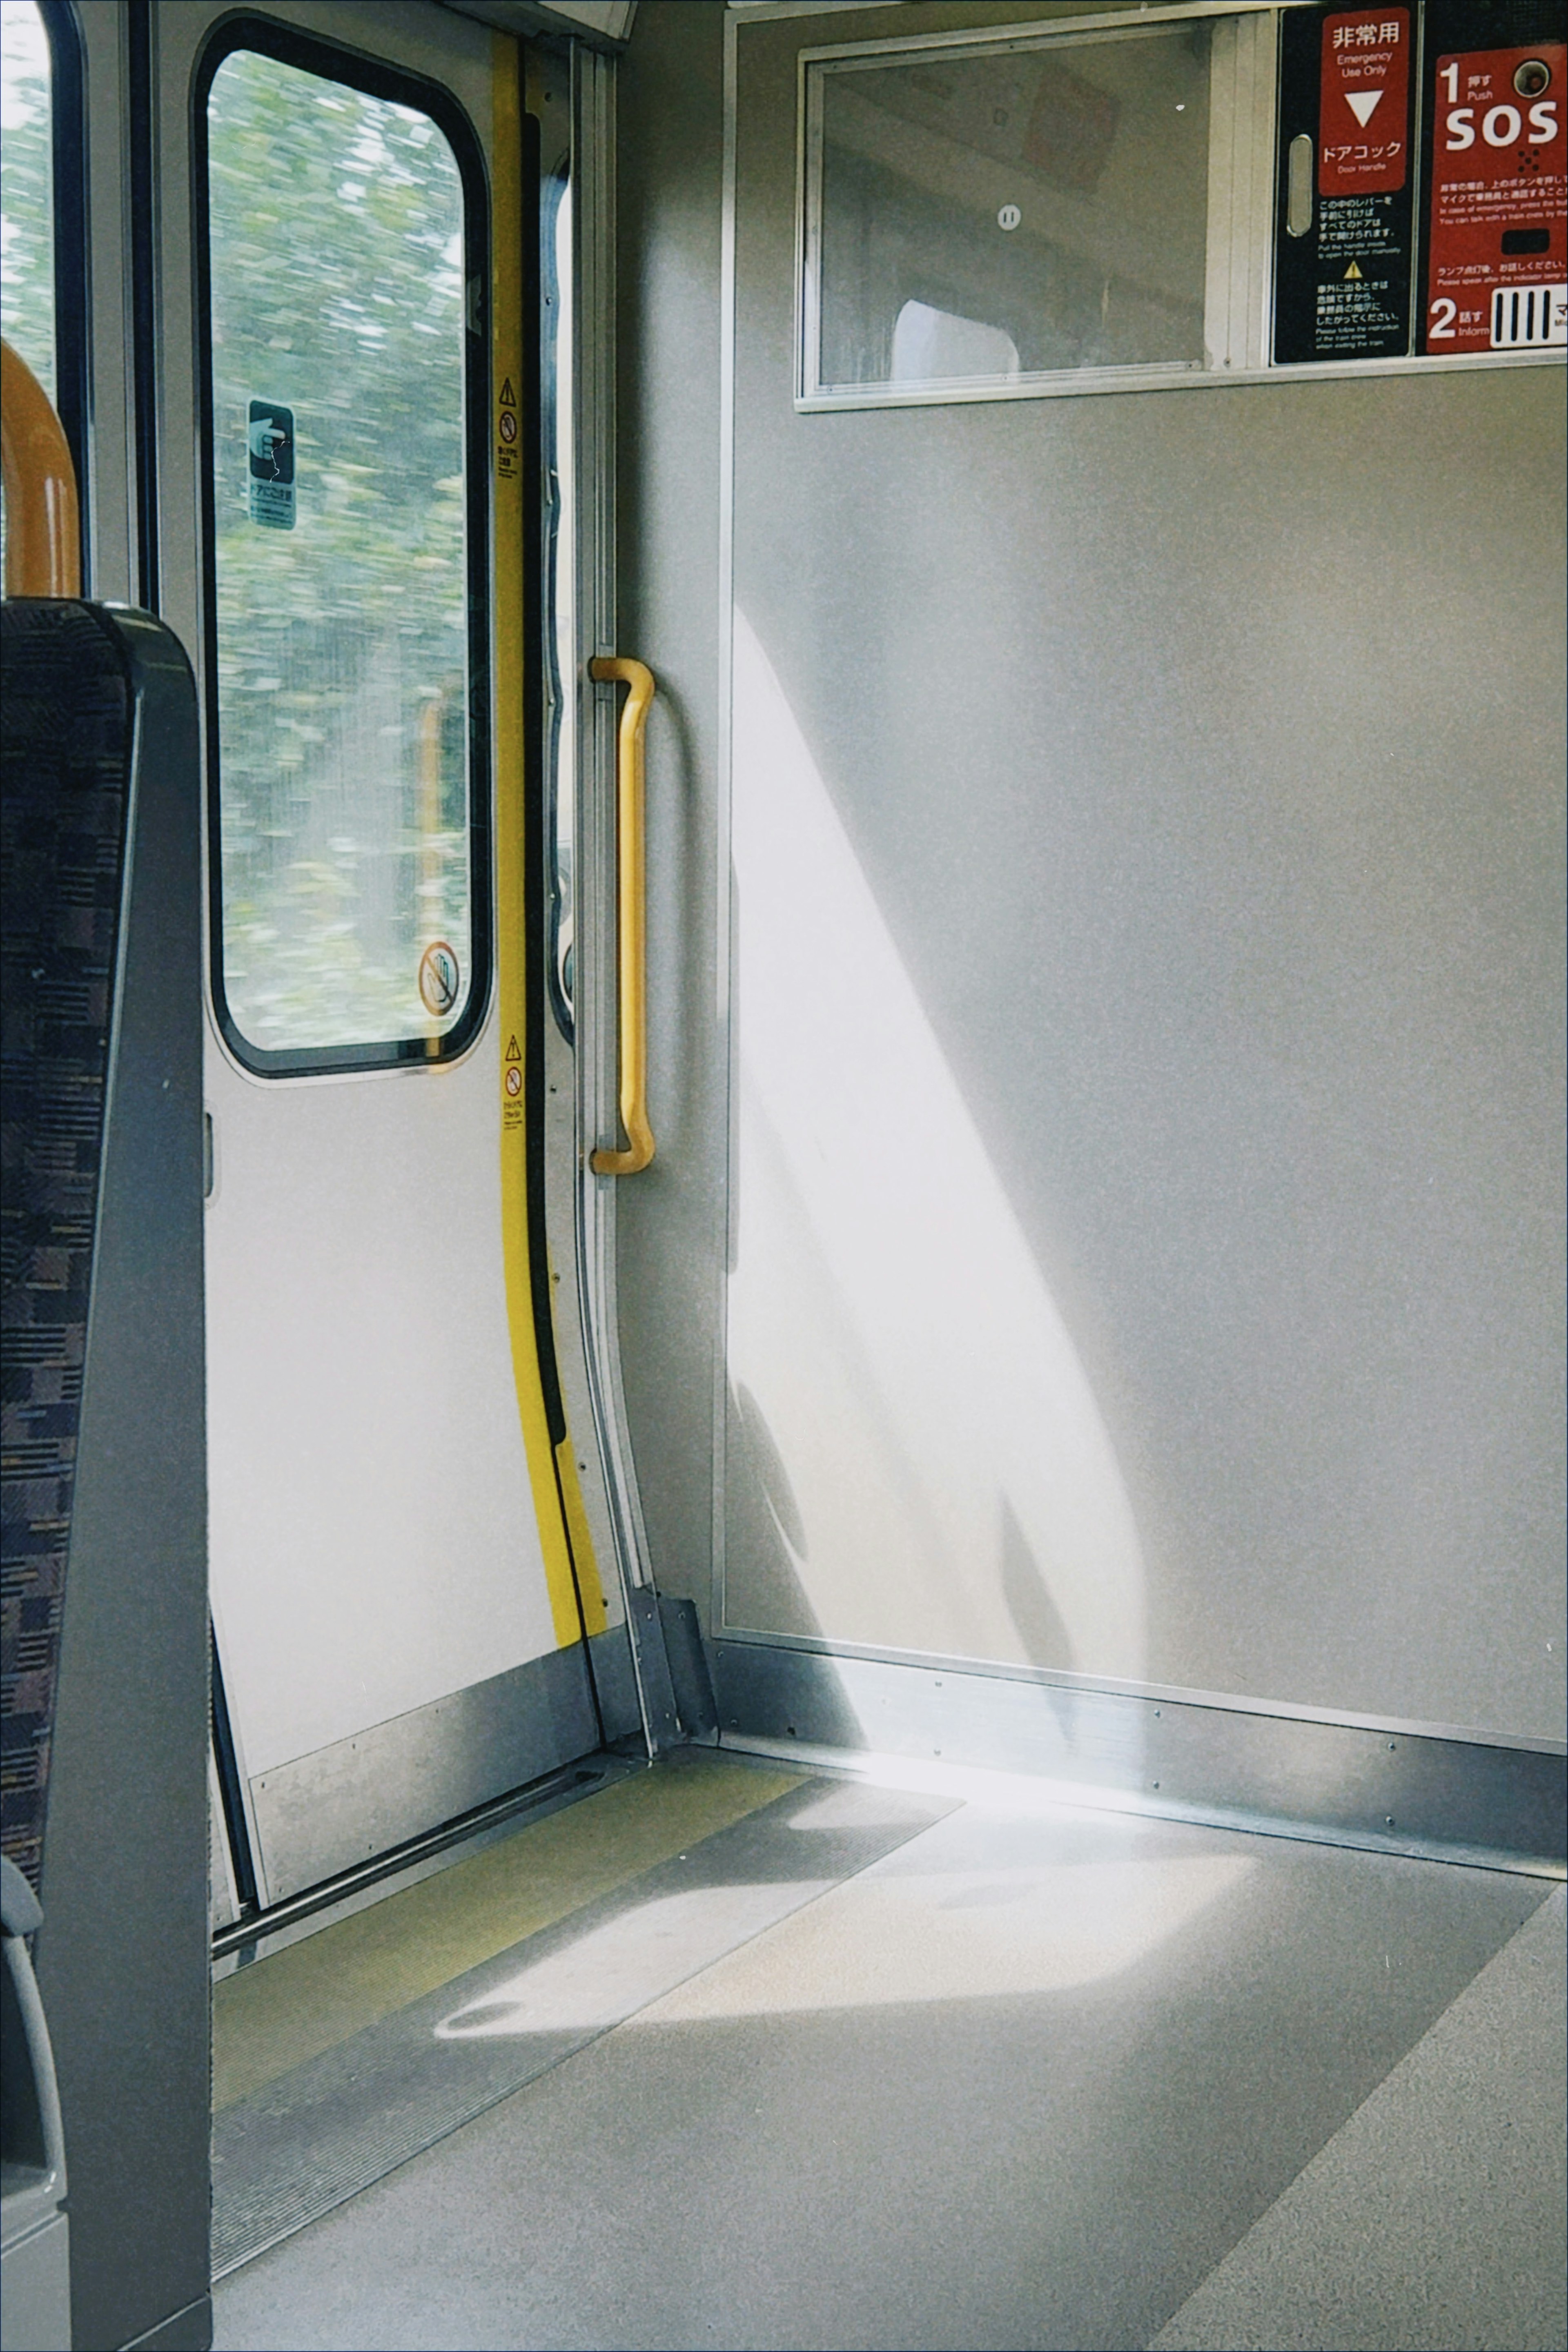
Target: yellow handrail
[
  {"x": 632, "y": 894},
  {"x": 43, "y": 553}
]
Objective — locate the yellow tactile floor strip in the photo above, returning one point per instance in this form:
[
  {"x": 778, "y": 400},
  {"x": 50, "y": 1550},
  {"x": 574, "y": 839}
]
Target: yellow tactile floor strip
[{"x": 280, "y": 2012}]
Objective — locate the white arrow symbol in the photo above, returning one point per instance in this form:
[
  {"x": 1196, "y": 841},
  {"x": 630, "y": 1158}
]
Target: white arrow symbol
[{"x": 1362, "y": 104}]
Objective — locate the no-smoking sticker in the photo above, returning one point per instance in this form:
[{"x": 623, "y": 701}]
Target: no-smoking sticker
[{"x": 439, "y": 978}]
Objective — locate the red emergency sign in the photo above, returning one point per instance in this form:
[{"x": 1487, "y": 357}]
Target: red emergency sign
[
  {"x": 1363, "y": 145},
  {"x": 1497, "y": 269}
]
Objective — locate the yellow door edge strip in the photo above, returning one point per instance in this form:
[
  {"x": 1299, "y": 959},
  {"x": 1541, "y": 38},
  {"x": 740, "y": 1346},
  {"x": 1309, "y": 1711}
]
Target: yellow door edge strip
[{"x": 571, "y": 1574}]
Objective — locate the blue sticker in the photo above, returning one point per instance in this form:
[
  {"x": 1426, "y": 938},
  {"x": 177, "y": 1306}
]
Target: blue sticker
[{"x": 272, "y": 443}]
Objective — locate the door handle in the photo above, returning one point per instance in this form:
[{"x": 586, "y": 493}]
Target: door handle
[{"x": 632, "y": 926}]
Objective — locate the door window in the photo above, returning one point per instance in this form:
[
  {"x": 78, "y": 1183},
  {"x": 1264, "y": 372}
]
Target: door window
[
  {"x": 26, "y": 190},
  {"x": 347, "y": 571}
]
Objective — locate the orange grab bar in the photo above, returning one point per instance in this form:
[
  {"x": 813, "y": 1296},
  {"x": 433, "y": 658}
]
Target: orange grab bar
[
  {"x": 632, "y": 898},
  {"x": 43, "y": 553}
]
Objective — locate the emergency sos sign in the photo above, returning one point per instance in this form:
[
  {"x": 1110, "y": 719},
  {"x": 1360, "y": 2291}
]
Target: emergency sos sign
[
  {"x": 1497, "y": 232},
  {"x": 1422, "y": 184}
]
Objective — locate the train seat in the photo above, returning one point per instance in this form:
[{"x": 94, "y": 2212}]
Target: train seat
[{"x": 104, "y": 1493}]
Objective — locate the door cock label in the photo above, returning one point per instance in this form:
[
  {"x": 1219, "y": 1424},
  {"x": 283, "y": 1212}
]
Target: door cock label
[
  {"x": 1363, "y": 145},
  {"x": 1497, "y": 250},
  {"x": 1344, "y": 214}
]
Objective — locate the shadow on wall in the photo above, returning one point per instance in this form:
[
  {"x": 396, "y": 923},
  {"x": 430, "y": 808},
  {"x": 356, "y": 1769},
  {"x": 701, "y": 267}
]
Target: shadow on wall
[{"x": 915, "y": 1459}]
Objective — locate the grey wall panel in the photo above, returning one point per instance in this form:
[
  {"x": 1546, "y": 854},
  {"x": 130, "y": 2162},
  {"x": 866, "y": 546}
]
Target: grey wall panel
[
  {"x": 670, "y": 89},
  {"x": 122, "y": 1954},
  {"x": 1199, "y": 755}
]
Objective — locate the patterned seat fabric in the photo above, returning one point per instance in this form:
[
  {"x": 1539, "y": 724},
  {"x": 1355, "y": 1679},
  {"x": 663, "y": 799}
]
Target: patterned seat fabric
[{"x": 65, "y": 750}]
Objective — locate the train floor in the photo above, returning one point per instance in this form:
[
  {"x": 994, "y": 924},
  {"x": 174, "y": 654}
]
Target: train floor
[{"x": 737, "y": 2055}]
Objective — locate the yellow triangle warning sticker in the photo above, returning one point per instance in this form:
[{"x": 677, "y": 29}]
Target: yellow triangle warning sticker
[
  {"x": 511, "y": 1053},
  {"x": 1352, "y": 271},
  {"x": 508, "y": 397}
]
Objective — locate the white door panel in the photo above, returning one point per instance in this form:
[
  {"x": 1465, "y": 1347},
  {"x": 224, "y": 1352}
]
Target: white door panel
[
  {"x": 369, "y": 1482},
  {"x": 378, "y": 1545}
]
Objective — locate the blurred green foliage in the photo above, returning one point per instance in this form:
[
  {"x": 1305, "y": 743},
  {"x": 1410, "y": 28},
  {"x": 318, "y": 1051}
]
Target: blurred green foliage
[
  {"x": 27, "y": 191},
  {"x": 27, "y": 195},
  {"x": 337, "y": 280}
]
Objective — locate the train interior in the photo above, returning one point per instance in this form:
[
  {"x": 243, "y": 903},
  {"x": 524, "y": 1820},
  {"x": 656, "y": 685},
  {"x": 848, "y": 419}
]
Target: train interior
[{"x": 783, "y": 1153}]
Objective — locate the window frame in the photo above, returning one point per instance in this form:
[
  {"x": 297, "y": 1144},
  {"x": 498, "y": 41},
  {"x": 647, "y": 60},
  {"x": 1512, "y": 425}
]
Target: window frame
[
  {"x": 371, "y": 78},
  {"x": 818, "y": 65},
  {"x": 68, "y": 133}
]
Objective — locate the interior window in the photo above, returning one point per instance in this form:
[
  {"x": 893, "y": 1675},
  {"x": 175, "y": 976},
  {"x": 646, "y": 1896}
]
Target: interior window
[
  {"x": 26, "y": 190},
  {"x": 336, "y": 262},
  {"x": 1012, "y": 210}
]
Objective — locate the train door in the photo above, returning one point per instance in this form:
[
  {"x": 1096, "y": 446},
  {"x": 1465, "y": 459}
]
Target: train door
[
  {"x": 1139, "y": 727},
  {"x": 334, "y": 472}
]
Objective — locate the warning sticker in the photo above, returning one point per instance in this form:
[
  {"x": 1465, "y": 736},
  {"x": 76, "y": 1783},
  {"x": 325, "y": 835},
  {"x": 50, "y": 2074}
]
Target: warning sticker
[
  {"x": 506, "y": 433},
  {"x": 1363, "y": 147},
  {"x": 1344, "y": 215},
  {"x": 1497, "y": 268},
  {"x": 269, "y": 437}
]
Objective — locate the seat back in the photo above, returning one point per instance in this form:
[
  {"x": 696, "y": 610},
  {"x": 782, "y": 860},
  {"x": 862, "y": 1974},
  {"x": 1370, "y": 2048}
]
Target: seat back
[
  {"x": 66, "y": 733},
  {"x": 105, "y": 1701}
]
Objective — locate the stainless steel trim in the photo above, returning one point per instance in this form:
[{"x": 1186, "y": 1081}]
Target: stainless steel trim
[
  {"x": 562, "y": 1173},
  {"x": 347, "y": 1804},
  {"x": 807, "y": 233},
  {"x": 262, "y": 1933},
  {"x": 608, "y": 22},
  {"x": 593, "y": 528},
  {"x": 1335, "y": 1782},
  {"x": 997, "y": 38},
  {"x": 1299, "y": 198},
  {"x": 223, "y": 1895},
  {"x": 1239, "y": 295},
  {"x": 1182, "y": 1694},
  {"x": 723, "y": 880},
  {"x": 849, "y": 56},
  {"x": 1082, "y": 383},
  {"x": 111, "y": 436}
]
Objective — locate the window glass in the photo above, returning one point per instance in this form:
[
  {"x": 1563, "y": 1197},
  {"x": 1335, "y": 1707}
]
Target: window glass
[
  {"x": 27, "y": 195},
  {"x": 27, "y": 191},
  {"x": 336, "y": 259},
  {"x": 985, "y": 214}
]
